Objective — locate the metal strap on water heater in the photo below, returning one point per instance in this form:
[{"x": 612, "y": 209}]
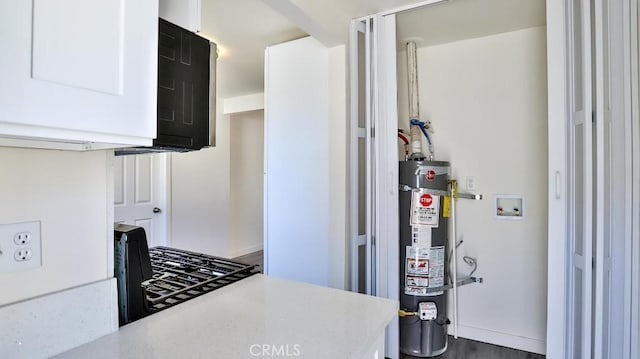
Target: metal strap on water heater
[{"x": 435, "y": 192}]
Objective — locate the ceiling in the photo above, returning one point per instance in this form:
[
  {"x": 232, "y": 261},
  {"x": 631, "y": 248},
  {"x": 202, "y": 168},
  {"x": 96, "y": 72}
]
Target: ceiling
[
  {"x": 465, "y": 19},
  {"x": 243, "y": 29}
]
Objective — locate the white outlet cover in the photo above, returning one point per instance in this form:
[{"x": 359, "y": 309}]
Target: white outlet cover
[
  {"x": 471, "y": 183},
  {"x": 15, "y": 256}
]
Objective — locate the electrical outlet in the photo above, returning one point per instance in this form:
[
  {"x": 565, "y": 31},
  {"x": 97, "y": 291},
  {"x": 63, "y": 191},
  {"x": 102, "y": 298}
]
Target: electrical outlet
[
  {"x": 21, "y": 238},
  {"x": 23, "y": 254},
  {"x": 20, "y": 246}
]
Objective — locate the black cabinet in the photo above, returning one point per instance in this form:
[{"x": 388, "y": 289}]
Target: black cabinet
[{"x": 184, "y": 67}]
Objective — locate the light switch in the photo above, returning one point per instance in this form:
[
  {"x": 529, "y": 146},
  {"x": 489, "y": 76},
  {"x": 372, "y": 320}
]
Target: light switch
[{"x": 471, "y": 183}]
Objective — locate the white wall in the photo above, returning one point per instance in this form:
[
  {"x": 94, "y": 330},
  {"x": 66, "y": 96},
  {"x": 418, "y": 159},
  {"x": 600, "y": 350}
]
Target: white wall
[
  {"x": 338, "y": 152},
  {"x": 200, "y": 196},
  {"x": 247, "y": 191},
  {"x": 67, "y": 191},
  {"x": 486, "y": 98},
  {"x": 69, "y": 300},
  {"x": 305, "y": 159}
]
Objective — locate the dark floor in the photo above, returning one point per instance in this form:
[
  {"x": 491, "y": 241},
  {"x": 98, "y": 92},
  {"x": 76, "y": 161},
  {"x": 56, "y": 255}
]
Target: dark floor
[
  {"x": 252, "y": 258},
  {"x": 458, "y": 348},
  {"x": 470, "y": 349}
]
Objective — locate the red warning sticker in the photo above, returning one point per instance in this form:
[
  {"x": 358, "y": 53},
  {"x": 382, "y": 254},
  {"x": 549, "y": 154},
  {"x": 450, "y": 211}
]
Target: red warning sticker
[
  {"x": 426, "y": 200},
  {"x": 425, "y": 209}
]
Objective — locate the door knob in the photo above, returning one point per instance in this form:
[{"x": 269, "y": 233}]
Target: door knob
[{"x": 156, "y": 210}]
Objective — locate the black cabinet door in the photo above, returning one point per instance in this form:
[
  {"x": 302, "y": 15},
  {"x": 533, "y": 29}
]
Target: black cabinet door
[{"x": 183, "y": 88}]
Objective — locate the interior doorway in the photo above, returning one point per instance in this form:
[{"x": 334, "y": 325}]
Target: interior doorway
[{"x": 141, "y": 196}]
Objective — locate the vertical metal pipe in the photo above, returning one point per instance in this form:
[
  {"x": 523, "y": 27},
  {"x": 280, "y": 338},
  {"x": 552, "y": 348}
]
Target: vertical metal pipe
[
  {"x": 412, "y": 70},
  {"x": 454, "y": 258}
]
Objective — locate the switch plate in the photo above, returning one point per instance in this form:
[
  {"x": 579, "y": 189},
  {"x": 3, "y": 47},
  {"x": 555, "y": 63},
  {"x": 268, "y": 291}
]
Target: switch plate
[
  {"x": 20, "y": 246},
  {"x": 471, "y": 183}
]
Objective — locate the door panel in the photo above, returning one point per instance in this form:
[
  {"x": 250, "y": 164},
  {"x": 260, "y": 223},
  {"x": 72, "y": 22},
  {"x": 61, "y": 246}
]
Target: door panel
[
  {"x": 183, "y": 88},
  {"x": 139, "y": 191},
  {"x": 581, "y": 189},
  {"x": 362, "y": 248},
  {"x": 143, "y": 180},
  {"x": 59, "y": 47}
]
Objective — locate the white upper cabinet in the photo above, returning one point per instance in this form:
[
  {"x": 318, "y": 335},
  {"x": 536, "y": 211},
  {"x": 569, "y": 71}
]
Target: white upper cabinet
[
  {"x": 184, "y": 13},
  {"x": 78, "y": 74}
]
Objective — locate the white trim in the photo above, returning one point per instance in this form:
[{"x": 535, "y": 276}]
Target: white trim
[
  {"x": 109, "y": 163},
  {"x": 387, "y": 173},
  {"x": 532, "y": 345},
  {"x": 301, "y": 18},
  {"x": 587, "y": 288},
  {"x": 377, "y": 150},
  {"x": 557, "y": 159},
  {"x": 245, "y": 103},
  {"x": 169, "y": 199},
  {"x": 247, "y": 250},
  {"x": 265, "y": 178},
  {"x": 628, "y": 170},
  {"x": 415, "y": 5},
  {"x": 635, "y": 184},
  {"x": 353, "y": 155},
  {"x": 368, "y": 158},
  {"x": 600, "y": 77}
]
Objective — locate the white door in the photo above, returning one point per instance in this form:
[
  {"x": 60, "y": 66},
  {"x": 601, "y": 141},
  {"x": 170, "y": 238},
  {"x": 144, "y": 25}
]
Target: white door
[
  {"x": 361, "y": 239},
  {"x": 140, "y": 194},
  {"x": 581, "y": 187}
]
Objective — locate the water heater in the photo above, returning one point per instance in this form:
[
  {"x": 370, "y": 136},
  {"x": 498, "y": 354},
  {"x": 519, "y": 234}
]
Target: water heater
[{"x": 424, "y": 251}]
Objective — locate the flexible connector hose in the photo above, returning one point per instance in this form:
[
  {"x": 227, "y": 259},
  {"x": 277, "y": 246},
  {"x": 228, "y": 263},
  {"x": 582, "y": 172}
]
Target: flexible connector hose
[
  {"x": 472, "y": 262},
  {"x": 423, "y": 128}
]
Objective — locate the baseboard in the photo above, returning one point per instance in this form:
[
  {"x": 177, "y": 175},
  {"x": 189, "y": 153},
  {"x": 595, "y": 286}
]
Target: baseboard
[
  {"x": 503, "y": 339},
  {"x": 244, "y": 251},
  {"x": 51, "y": 324}
]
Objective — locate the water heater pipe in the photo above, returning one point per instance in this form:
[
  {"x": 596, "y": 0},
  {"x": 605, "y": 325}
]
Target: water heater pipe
[
  {"x": 412, "y": 68},
  {"x": 454, "y": 258},
  {"x": 415, "y": 125}
]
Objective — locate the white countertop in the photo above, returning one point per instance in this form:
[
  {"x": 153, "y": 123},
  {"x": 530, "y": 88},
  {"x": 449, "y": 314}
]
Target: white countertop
[{"x": 237, "y": 320}]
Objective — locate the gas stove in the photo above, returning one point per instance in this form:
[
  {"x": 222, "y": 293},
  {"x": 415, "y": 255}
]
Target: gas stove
[
  {"x": 179, "y": 275},
  {"x": 151, "y": 280}
]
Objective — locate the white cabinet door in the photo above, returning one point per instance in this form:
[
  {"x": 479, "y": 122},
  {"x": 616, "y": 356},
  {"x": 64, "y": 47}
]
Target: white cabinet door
[
  {"x": 79, "y": 71},
  {"x": 184, "y": 13},
  {"x": 297, "y": 161}
]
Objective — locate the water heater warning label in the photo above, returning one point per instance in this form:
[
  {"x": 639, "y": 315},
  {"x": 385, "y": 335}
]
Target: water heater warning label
[
  {"x": 425, "y": 209},
  {"x": 424, "y": 270},
  {"x": 421, "y": 236}
]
